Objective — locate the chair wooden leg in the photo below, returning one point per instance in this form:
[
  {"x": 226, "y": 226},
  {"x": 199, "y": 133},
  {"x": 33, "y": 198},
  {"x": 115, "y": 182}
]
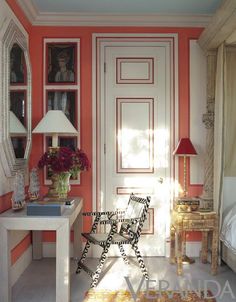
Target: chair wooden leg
[
  {"x": 103, "y": 256},
  {"x": 99, "y": 268},
  {"x": 84, "y": 254},
  {"x": 140, "y": 261},
  {"x": 123, "y": 254}
]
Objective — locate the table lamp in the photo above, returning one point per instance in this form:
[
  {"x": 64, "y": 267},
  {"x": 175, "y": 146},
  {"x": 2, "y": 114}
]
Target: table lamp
[
  {"x": 185, "y": 148},
  {"x": 54, "y": 123}
]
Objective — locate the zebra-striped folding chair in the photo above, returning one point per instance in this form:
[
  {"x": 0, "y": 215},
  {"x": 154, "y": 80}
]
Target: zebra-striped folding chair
[{"x": 130, "y": 230}]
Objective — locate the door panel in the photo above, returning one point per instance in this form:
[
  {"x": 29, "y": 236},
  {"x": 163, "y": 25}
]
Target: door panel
[
  {"x": 135, "y": 110},
  {"x": 134, "y": 132},
  {"x": 135, "y": 119}
]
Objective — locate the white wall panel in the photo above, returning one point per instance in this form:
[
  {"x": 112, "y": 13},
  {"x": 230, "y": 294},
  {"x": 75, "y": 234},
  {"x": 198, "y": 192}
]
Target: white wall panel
[
  {"x": 198, "y": 80},
  {"x": 134, "y": 132}
]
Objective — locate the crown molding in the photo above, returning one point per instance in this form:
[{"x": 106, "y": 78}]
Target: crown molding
[
  {"x": 222, "y": 26},
  {"x": 29, "y": 9},
  {"x": 40, "y": 18},
  {"x": 79, "y": 19}
]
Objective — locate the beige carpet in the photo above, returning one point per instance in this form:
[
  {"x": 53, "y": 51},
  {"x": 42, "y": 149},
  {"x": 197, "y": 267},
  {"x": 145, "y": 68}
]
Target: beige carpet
[{"x": 154, "y": 296}]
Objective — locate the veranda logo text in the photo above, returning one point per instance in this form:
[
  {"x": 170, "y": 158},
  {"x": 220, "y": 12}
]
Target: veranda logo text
[{"x": 183, "y": 287}]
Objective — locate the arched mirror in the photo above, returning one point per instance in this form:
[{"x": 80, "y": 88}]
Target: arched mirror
[{"x": 15, "y": 100}]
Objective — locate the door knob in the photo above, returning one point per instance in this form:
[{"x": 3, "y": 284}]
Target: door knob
[{"x": 160, "y": 180}]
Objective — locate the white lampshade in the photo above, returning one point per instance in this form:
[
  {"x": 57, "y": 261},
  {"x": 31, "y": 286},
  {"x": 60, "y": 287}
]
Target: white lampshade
[
  {"x": 55, "y": 122},
  {"x": 16, "y": 127}
]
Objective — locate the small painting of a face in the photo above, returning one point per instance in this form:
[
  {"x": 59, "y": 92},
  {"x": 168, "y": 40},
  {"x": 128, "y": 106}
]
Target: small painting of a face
[{"x": 61, "y": 63}]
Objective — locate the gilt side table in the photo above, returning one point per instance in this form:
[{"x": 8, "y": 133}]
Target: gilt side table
[{"x": 205, "y": 222}]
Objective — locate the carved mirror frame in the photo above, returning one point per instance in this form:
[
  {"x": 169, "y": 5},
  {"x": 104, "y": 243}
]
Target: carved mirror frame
[{"x": 13, "y": 35}]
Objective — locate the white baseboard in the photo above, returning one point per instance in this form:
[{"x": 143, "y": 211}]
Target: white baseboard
[
  {"x": 193, "y": 249},
  {"x": 20, "y": 265},
  {"x": 49, "y": 250}
]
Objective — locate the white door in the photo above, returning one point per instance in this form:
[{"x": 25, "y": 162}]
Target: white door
[{"x": 135, "y": 133}]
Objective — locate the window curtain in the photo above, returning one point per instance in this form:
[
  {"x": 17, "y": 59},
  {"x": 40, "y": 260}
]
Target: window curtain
[
  {"x": 225, "y": 123},
  {"x": 230, "y": 112},
  {"x": 219, "y": 130}
]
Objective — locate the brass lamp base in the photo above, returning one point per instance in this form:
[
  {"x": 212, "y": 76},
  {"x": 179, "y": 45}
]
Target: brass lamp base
[
  {"x": 186, "y": 260},
  {"x": 52, "y": 190}
]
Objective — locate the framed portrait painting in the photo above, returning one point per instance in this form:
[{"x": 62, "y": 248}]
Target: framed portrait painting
[
  {"x": 61, "y": 63},
  {"x": 64, "y": 100}
]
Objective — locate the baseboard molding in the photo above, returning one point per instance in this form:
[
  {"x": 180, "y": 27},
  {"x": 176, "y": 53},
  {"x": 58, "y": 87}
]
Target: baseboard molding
[
  {"x": 49, "y": 250},
  {"x": 193, "y": 249},
  {"x": 20, "y": 265}
]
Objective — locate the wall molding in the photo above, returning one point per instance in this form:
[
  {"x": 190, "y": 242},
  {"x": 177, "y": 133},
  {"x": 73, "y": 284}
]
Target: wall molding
[
  {"x": 197, "y": 101},
  {"x": 193, "y": 248},
  {"x": 49, "y": 250},
  {"x": 37, "y": 17}
]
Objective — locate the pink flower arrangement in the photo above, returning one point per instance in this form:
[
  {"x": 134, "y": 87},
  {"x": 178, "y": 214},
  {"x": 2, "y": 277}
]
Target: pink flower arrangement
[{"x": 64, "y": 159}]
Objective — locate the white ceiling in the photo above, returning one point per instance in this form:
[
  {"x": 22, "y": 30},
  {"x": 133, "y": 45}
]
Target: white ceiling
[
  {"x": 129, "y": 6},
  {"x": 195, "y": 13}
]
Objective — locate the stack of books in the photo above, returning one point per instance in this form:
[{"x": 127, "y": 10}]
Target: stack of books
[{"x": 48, "y": 207}]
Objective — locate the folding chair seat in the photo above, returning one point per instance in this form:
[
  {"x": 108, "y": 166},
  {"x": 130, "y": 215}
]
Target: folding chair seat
[{"x": 128, "y": 232}]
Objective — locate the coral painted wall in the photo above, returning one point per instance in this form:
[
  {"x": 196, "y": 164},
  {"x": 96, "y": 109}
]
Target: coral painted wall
[
  {"x": 85, "y": 34},
  {"x": 36, "y": 36}
]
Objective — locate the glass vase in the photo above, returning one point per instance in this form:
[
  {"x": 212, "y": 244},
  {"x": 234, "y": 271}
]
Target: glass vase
[{"x": 63, "y": 184}]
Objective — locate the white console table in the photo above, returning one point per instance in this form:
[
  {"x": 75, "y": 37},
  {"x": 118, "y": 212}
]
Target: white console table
[{"x": 12, "y": 220}]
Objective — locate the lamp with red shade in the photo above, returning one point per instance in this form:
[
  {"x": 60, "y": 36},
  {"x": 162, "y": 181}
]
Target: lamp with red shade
[{"x": 185, "y": 148}]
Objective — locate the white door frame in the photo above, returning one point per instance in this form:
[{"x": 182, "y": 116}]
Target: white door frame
[{"x": 99, "y": 43}]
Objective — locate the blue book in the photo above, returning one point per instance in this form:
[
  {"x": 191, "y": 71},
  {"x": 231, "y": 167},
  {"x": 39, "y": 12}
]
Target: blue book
[{"x": 45, "y": 208}]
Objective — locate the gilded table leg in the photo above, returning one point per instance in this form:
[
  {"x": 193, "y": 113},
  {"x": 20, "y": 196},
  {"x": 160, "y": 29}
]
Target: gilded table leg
[
  {"x": 179, "y": 253},
  {"x": 204, "y": 251},
  {"x": 172, "y": 245},
  {"x": 183, "y": 243},
  {"x": 214, "y": 257}
]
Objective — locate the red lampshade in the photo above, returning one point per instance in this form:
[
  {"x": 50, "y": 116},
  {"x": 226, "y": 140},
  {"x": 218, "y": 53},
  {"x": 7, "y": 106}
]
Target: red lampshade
[{"x": 185, "y": 147}]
